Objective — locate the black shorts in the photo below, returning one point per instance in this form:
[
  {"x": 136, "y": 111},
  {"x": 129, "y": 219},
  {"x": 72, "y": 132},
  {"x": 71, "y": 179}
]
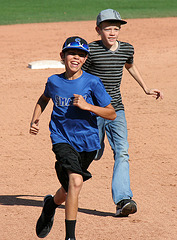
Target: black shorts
[{"x": 69, "y": 159}]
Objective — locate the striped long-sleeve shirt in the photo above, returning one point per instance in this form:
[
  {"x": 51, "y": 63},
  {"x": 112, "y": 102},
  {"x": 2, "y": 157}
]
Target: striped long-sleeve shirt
[{"x": 108, "y": 66}]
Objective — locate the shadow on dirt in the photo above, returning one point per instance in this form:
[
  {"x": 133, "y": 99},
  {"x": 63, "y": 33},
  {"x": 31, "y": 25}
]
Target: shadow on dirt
[{"x": 33, "y": 200}]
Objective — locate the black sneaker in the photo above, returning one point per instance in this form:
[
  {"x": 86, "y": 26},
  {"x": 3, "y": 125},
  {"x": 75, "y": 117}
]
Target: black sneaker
[
  {"x": 45, "y": 222},
  {"x": 125, "y": 207}
]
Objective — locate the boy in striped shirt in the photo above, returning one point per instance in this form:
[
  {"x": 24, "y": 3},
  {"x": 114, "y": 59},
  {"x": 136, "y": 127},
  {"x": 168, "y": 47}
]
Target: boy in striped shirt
[{"x": 106, "y": 60}]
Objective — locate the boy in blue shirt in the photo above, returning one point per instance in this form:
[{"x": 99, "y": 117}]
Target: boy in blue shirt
[{"x": 78, "y": 97}]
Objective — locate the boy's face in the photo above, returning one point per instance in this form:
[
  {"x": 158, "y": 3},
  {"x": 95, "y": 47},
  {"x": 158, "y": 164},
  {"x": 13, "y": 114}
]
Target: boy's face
[
  {"x": 109, "y": 32},
  {"x": 73, "y": 59}
]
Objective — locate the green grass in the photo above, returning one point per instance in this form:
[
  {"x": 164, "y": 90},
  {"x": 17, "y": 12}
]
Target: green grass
[{"x": 30, "y": 11}]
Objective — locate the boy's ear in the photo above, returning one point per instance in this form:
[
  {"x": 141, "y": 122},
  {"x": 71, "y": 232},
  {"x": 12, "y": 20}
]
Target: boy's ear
[
  {"x": 97, "y": 30},
  {"x": 62, "y": 55}
]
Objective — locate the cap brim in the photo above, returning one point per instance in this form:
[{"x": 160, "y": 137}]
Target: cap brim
[
  {"x": 122, "y": 22},
  {"x": 72, "y": 47}
]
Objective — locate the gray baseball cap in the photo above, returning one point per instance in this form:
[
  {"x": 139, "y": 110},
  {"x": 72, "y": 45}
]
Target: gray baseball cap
[{"x": 109, "y": 14}]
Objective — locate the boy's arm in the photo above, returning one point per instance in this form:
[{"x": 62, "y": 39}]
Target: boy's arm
[
  {"x": 39, "y": 108},
  {"x": 132, "y": 69},
  {"x": 107, "y": 112}
]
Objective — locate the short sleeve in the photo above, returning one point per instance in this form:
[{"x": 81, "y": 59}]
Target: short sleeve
[
  {"x": 101, "y": 97},
  {"x": 47, "y": 89},
  {"x": 131, "y": 55}
]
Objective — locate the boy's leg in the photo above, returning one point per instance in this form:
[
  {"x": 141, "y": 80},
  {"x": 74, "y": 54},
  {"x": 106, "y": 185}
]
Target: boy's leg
[
  {"x": 71, "y": 168},
  {"x": 60, "y": 196},
  {"x": 71, "y": 205},
  {"x": 117, "y": 135}
]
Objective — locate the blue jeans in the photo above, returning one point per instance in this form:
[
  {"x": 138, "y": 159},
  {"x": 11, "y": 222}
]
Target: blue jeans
[{"x": 116, "y": 132}]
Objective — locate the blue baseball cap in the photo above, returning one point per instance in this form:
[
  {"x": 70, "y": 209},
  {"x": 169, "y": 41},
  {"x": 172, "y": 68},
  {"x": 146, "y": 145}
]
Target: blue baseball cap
[{"x": 75, "y": 43}]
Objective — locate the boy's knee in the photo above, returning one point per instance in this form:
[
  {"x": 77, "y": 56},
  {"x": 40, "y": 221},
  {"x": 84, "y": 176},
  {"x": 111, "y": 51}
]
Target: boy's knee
[
  {"x": 75, "y": 181},
  {"x": 122, "y": 156}
]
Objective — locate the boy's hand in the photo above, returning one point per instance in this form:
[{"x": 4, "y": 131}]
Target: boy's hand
[
  {"x": 34, "y": 128},
  {"x": 80, "y": 102},
  {"x": 155, "y": 92}
]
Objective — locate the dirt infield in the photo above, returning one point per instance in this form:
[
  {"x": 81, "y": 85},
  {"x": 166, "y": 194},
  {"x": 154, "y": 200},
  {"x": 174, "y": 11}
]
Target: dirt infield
[{"x": 27, "y": 162}]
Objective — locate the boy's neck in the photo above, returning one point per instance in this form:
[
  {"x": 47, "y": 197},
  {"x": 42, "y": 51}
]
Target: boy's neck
[
  {"x": 72, "y": 76},
  {"x": 113, "y": 47}
]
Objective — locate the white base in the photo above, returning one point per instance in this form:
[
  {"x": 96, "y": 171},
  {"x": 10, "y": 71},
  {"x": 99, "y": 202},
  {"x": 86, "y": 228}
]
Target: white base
[{"x": 42, "y": 64}]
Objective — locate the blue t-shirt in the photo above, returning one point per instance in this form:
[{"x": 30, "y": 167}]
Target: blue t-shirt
[{"x": 70, "y": 124}]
